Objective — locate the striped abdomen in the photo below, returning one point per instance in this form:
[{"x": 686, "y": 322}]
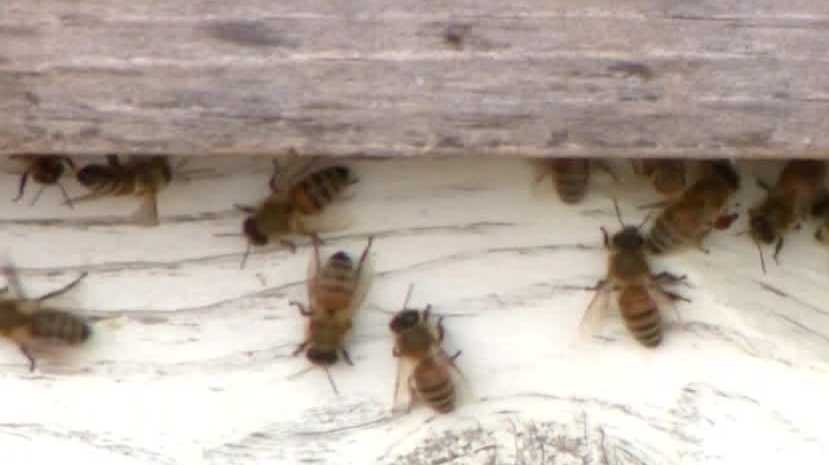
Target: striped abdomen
[
  {"x": 336, "y": 283},
  {"x": 319, "y": 189},
  {"x": 53, "y": 324},
  {"x": 570, "y": 177},
  {"x": 434, "y": 384},
  {"x": 107, "y": 179},
  {"x": 641, "y": 315}
]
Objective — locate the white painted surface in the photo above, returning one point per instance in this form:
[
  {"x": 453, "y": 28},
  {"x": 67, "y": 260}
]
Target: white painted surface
[{"x": 189, "y": 364}]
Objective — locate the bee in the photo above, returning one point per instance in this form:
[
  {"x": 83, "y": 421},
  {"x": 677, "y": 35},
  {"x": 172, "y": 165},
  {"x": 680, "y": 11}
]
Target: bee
[
  {"x": 691, "y": 217},
  {"x": 26, "y": 322},
  {"x": 571, "y": 176},
  {"x": 789, "y": 200},
  {"x": 45, "y": 170},
  {"x": 143, "y": 176},
  {"x": 666, "y": 175},
  {"x": 287, "y": 209},
  {"x": 419, "y": 341},
  {"x": 335, "y": 290},
  {"x": 639, "y": 291}
]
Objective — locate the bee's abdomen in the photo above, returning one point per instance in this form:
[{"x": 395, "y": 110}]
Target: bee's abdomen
[
  {"x": 50, "y": 324},
  {"x": 641, "y": 315},
  {"x": 338, "y": 280},
  {"x": 319, "y": 189},
  {"x": 571, "y": 177},
  {"x": 106, "y": 180},
  {"x": 434, "y": 386}
]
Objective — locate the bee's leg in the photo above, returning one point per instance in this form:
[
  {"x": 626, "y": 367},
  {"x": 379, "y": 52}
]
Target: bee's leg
[
  {"x": 22, "y": 187},
  {"x": 28, "y": 354},
  {"x": 674, "y": 296},
  {"x": 68, "y": 200},
  {"x": 364, "y": 255},
  {"x": 605, "y": 237},
  {"x": 777, "y": 249},
  {"x": 300, "y": 348},
  {"x": 670, "y": 278},
  {"x": 37, "y": 196},
  {"x": 347, "y": 357},
  {"x": 245, "y": 208},
  {"x": 762, "y": 185},
  {"x": 441, "y": 330},
  {"x": 302, "y": 310},
  {"x": 64, "y": 289}
]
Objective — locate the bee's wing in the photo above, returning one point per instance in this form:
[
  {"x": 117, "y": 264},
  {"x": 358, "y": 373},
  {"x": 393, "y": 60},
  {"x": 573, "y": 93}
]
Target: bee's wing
[
  {"x": 147, "y": 213},
  {"x": 290, "y": 169},
  {"x": 540, "y": 190},
  {"x": 596, "y": 312},
  {"x": 405, "y": 369},
  {"x": 363, "y": 284},
  {"x": 666, "y": 301}
]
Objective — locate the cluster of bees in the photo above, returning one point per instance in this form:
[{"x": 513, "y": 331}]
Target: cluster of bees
[{"x": 300, "y": 190}]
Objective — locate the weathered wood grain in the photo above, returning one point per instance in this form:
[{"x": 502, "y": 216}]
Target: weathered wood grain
[
  {"x": 535, "y": 78},
  {"x": 191, "y": 359}
]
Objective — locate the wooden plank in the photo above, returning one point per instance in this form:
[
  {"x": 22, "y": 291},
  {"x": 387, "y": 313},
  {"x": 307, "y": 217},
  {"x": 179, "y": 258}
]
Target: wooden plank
[
  {"x": 540, "y": 78},
  {"x": 191, "y": 360}
]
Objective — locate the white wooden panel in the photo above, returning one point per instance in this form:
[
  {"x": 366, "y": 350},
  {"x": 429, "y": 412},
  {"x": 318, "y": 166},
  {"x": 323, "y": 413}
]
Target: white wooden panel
[{"x": 191, "y": 355}]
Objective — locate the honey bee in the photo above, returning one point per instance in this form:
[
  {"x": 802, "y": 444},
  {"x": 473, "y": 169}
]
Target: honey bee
[
  {"x": 45, "y": 170},
  {"x": 789, "y": 200},
  {"x": 688, "y": 219},
  {"x": 26, "y": 322},
  {"x": 639, "y": 291},
  {"x": 418, "y": 341},
  {"x": 571, "y": 176},
  {"x": 335, "y": 290},
  {"x": 143, "y": 176},
  {"x": 291, "y": 204},
  {"x": 666, "y": 175}
]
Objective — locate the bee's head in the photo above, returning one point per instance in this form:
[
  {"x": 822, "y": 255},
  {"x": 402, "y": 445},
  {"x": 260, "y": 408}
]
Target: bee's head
[
  {"x": 91, "y": 174},
  {"x": 404, "y": 320},
  {"x": 321, "y": 357},
  {"x": 250, "y": 228},
  {"x": 629, "y": 238},
  {"x": 341, "y": 257}
]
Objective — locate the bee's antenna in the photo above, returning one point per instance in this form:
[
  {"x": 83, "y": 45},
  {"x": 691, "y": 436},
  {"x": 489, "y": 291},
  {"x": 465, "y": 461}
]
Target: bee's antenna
[
  {"x": 245, "y": 257},
  {"x": 618, "y": 212},
  {"x": 408, "y": 295}
]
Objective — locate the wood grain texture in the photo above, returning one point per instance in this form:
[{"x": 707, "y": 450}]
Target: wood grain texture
[
  {"x": 191, "y": 358},
  {"x": 535, "y": 78}
]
